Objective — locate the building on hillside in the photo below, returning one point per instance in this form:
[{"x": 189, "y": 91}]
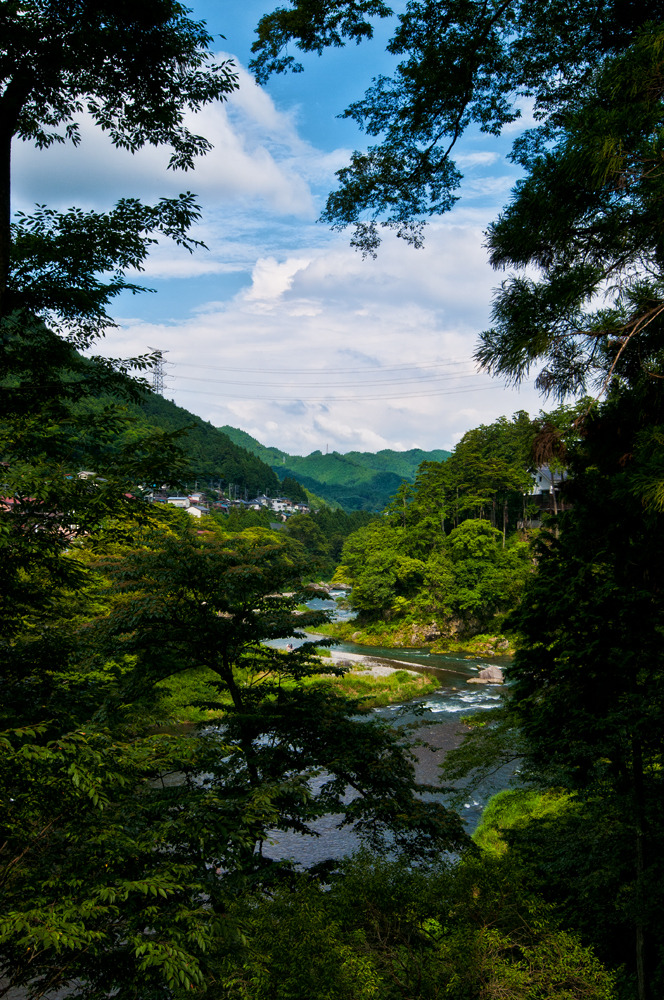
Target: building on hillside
[
  {"x": 197, "y": 510},
  {"x": 547, "y": 496},
  {"x": 179, "y": 501},
  {"x": 260, "y": 500}
]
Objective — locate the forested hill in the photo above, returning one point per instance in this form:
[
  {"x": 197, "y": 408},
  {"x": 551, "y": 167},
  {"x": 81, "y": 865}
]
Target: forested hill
[
  {"x": 357, "y": 480},
  {"x": 211, "y": 454}
]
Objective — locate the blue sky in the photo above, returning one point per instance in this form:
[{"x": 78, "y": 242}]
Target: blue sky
[{"x": 280, "y": 328}]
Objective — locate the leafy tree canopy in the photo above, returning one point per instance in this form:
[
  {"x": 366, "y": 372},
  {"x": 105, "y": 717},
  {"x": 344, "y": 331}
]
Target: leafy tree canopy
[
  {"x": 386, "y": 931},
  {"x": 583, "y": 230},
  {"x": 292, "y": 489},
  {"x": 135, "y": 69},
  {"x": 463, "y": 64}
]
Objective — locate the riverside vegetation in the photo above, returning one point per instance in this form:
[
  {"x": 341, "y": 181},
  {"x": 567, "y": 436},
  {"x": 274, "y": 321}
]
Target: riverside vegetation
[
  {"x": 581, "y": 307},
  {"x": 184, "y": 699},
  {"x": 448, "y": 560},
  {"x": 119, "y": 882}
]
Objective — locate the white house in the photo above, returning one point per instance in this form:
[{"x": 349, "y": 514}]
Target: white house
[{"x": 179, "y": 501}]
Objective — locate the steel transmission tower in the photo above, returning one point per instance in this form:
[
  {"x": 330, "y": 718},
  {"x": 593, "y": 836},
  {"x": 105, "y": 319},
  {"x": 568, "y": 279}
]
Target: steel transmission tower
[{"x": 158, "y": 374}]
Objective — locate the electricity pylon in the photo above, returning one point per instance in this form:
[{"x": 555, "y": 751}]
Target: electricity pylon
[{"x": 158, "y": 373}]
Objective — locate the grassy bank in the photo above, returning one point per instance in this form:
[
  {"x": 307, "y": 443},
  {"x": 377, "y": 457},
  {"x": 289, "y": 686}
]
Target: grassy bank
[
  {"x": 180, "y": 696},
  {"x": 515, "y": 808},
  {"x": 402, "y": 685},
  {"x": 395, "y": 635},
  {"x": 485, "y": 644}
]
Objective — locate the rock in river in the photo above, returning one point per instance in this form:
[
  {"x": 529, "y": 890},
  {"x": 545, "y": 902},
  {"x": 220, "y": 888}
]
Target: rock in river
[{"x": 490, "y": 675}]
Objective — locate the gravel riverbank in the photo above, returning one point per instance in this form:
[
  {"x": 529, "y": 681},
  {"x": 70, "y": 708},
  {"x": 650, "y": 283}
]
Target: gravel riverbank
[{"x": 369, "y": 665}]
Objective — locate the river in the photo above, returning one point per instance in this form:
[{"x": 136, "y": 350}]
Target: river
[{"x": 438, "y": 716}]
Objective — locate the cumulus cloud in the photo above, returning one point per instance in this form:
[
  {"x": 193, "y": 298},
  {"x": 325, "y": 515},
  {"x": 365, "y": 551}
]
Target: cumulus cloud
[
  {"x": 259, "y": 189},
  {"x": 258, "y": 157},
  {"x": 327, "y": 350},
  {"x": 318, "y": 348},
  {"x": 272, "y": 279}
]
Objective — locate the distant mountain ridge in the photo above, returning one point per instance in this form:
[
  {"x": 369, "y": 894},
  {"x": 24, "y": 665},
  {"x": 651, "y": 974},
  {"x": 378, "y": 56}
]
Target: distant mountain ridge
[
  {"x": 358, "y": 480},
  {"x": 210, "y": 454}
]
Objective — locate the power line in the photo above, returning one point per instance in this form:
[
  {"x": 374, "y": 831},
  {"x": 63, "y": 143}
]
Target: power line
[
  {"x": 345, "y": 399},
  {"x": 329, "y": 384},
  {"x": 324, "y": 371},
  {"x": 408, "y": 374}
]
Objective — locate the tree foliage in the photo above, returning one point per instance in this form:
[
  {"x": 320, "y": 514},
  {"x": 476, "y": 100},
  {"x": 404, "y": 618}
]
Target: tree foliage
[
  {"x": 134, "y": 70},
  {"x": 439, "y": 554},
  {"x": 92, "y": 893},
  {"x": 355, "y": 480},
  {"x": 292, "y": 489},
  {"x": 463, "y": 580},
  {"x": 592, "y": 643},
  {"x": 583, "y": 709},
  {"x": 461, "y": 65},
  {"x": 486, "y": 476},
  {"x": 323, "y": 533},
  {"x": 126, "y": 855},
  {"x": 582, "y": 230},
  {"x": 580, "y": 308},
  {"x": 210, "y": 457},
  {"x": 68, "y": 266},
  {"x": 98, "y": 893},
  {"x": 115, "y": 875},
  {"x": 212, "y": 600},
  {"x": 387, "y": 931}
]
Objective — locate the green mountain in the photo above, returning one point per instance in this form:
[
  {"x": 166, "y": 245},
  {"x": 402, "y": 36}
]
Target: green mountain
[
  {"x": 210, "y": 454},
  {"x": 357, "y": 480}
]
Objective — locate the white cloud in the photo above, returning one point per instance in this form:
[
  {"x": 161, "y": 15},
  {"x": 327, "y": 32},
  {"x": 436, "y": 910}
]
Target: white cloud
[
  {"x": 482, "y": 158},
  {"x": 491, "y": 188},
  {"x": 258, "y": 157},
  {"x": 320, "y": 348},
  {"x": 327, "y": 350},
  {"x": 271, "y": 279}
]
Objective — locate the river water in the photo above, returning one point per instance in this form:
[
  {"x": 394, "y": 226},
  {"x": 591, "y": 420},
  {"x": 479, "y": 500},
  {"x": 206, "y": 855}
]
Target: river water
[{"x": 438, "y": 718}]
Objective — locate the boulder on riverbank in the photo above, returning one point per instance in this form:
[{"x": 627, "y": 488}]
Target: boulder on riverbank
[
  {"x": 318, "y": 589},
  {"x": 490, "y": 675}
]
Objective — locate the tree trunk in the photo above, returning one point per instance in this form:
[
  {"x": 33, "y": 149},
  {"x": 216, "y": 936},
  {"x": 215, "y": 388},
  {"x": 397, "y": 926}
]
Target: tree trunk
[
  {"x": 5, "y": 215},
  {"x": 225, "y": 671},
  {"x": 640, "y": 852}
]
